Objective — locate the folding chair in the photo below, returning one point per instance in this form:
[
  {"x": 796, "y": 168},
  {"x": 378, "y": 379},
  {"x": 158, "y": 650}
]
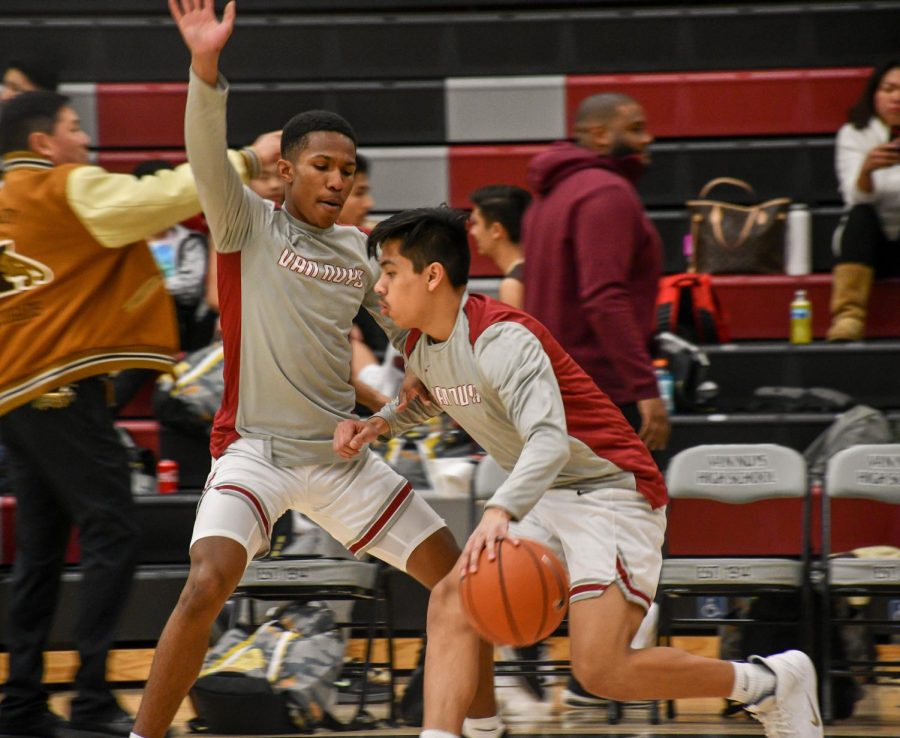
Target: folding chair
[
  {"x": 308, "y": 579},
  {"x": 871, "y": 474},
  {"x": 738, "y": 528}
]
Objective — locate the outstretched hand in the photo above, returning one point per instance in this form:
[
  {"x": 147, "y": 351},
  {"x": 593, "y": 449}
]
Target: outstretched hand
[
  {"x": 203, "y": 34},
  {"x": 351, "y": 436}
]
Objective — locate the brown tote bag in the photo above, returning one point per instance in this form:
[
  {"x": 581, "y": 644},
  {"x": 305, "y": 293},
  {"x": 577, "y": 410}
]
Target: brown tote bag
[{"x": 737, "y": 239}]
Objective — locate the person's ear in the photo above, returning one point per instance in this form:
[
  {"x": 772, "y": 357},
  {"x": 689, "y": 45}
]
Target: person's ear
[
  {"x": 40, "y": 143},
  {"x": 285, "y": 170},
  {"x": 435, "y": 274},
  {"x": 497, "y": 231},
  {"x": 602, "y": 138}
]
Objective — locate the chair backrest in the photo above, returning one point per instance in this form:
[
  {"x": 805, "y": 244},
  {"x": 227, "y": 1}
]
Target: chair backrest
[
  {"x": 488, "y": 476},
  {"x": 870, "y": 471},
  {"x": 737, "y": 473}
]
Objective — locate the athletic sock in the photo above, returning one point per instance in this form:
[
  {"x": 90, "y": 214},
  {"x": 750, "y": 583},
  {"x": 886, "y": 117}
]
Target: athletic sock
[
  {"x": 132, "y": 734},
  {"x": 486, "y": 727},
  {"x": 430, "y": 733},
  {"x": 752, "y": 682}
]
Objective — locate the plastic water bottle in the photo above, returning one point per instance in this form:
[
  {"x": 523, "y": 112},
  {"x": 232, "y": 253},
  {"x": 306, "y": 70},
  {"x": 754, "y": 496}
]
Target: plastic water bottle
[
  {"x": 801, "y": 318},
  {"x": 798, "y": 242},
  {"x": 666, "y": 383}
]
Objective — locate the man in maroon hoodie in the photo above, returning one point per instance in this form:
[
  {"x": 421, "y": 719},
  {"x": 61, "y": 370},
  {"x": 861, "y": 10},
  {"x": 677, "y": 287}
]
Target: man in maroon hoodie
[{"x": 593, "y": 257}]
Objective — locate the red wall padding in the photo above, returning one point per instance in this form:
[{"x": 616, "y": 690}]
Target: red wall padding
[{"x": 706, "y": 104}]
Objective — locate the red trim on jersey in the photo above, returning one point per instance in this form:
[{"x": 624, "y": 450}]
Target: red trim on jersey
[
  {"x": 591, "y": 416},
  {"x": 228, "y": 277},
  {"x": 626, "y": 580},
  {"x": 383, "y": 519},
  {"x": 583, "y": 588},
  {"x": 411, "y": 341},
  {"x": 253, "y": 501}
]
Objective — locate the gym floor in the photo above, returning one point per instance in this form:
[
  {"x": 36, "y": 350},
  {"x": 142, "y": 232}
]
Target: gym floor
[{"x": 877, "y": 714}]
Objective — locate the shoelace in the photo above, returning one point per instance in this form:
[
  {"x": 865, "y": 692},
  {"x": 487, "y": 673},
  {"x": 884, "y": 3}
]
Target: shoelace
[{"x": 776, "y": 723}]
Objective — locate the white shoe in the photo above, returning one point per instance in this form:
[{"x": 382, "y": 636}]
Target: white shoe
[
  {"x": 470, "y": 731},
  {"x": 794, "y": 708}
]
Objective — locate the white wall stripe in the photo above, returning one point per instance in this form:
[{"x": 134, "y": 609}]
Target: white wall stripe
[
  {"x": 408, "y": 177},
  {"x": 84, "y": 101},
  {"x": 505, "y": 108}
]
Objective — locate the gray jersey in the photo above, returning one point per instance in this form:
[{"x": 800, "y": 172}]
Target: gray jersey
[
  {"x": 288, "y": 294},
  {"x": 510, "y": 385}
]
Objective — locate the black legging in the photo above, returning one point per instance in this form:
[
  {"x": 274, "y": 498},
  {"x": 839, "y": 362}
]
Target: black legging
[{"x": 863, "y": 241}]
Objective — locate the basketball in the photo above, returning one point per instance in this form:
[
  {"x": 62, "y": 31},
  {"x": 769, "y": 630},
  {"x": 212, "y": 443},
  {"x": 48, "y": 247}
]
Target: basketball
[{"x": 520, "y": 597}]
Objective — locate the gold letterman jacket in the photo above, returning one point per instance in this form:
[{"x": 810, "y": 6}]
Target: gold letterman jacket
[{"x": 80, "y": 294}]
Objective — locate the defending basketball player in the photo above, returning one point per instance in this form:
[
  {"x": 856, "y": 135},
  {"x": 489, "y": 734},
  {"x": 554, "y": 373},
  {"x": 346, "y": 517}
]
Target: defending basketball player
[
  {"x": 579, "y": 481},
  {"x": 291, "y": 282}
]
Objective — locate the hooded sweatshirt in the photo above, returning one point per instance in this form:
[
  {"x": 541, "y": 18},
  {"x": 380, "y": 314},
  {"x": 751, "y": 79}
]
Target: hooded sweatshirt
[{"x": 592, "y": 263}]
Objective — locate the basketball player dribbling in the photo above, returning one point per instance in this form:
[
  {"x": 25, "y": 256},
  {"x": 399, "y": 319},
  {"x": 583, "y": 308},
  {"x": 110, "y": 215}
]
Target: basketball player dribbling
[
  {"x": 290, "y": 284},
  {"x": 580, "y": 481}
]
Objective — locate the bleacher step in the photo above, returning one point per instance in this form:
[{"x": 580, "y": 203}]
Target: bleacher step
[{"x": 862, "y": 370}]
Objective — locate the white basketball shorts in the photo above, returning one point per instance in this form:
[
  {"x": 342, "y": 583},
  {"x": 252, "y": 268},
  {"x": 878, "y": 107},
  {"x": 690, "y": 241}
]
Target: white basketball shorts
[
  {"x": 603, "y": 536},
  {"x": 363, "y": 503}
]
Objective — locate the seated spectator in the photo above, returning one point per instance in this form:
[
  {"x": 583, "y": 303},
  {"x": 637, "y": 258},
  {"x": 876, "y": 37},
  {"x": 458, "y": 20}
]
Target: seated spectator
[
  {"x": 496, "y": 227},
  {"x": 867, "y": 242},
  {"x": 27, "y": 75}
]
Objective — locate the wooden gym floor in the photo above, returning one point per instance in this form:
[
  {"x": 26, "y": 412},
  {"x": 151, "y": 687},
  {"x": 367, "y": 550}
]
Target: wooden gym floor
[{"x": 876, "y": 715}]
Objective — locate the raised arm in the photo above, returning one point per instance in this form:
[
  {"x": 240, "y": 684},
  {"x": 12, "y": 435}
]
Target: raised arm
[
  {"x": 231, "y": 211},
  {"x": 203, "y": 34}
]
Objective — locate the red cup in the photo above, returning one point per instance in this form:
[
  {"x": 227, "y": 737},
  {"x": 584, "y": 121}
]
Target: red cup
[{"x": 167, "y": 476}]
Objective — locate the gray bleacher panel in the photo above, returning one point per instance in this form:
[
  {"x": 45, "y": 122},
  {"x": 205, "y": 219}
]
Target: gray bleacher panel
[
  {"x": 403, "y": 45},
  {"x": 84, "y": 101},
  {"x": 488, "y": 109},
  {"x": 382, "y": 113},
  {"x": 408, "y": 178}
]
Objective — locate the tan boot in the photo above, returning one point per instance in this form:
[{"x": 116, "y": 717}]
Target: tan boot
[{"x": 850, "y": 288}]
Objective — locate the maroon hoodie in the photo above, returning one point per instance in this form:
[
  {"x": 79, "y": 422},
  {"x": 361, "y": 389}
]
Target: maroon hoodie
[{"x": 592, "y": 263}]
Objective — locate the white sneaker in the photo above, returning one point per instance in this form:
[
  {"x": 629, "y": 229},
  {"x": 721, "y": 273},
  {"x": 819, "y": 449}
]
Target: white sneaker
[
  {"x": 794, "y": 708},
  {"x": 470, "y": 731}
]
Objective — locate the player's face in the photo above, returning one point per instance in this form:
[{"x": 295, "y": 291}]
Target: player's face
[
  {"x": 404, "y": 293},
  {"x": 359, "y": 203},
  {"x": 480, "y": 232},
  {"x": 320, "y": 178},
  {"x": 67, "y": 143}
]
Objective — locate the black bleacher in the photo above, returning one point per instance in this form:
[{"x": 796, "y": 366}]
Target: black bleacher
[
  {"x": 859, "y": 370},
  {"x": 460, "y": 39}
]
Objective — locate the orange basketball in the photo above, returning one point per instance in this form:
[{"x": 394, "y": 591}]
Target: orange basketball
[{"x": 520, "y": 597}]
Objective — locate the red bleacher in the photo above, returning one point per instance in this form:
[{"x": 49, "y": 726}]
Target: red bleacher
[
  {"x": 679, "y": 105},
  {"x": 756, "y": 306},
  {"x": 141, "y": 114},
  {"x": 699, "y": 104}
]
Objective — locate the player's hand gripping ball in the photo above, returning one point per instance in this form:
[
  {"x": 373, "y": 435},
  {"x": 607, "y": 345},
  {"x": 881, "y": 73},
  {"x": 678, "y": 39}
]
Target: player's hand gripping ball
[{"x": 520, "y": 597}]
